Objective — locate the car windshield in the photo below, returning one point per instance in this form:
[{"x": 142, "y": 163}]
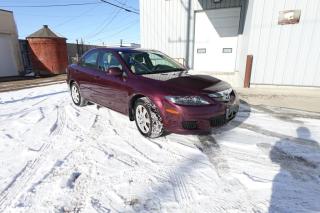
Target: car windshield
[{"x": 150, "y": 62}]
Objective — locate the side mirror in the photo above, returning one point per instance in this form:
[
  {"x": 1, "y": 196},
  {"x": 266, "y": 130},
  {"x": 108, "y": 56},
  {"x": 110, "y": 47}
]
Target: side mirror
[
  {"x": 115, "y": 71},
  {"x": 75, "y": 60}
]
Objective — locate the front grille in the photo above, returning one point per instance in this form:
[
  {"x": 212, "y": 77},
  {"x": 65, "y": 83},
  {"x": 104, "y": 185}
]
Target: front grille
[
  {"x": 218, "y": 121},
  {"x": 190, "y": 125}
]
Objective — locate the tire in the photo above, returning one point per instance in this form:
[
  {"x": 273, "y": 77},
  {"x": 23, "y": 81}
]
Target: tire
[
  {"x": 76, "y": 95},
  {"x": 147, "y": 118}
]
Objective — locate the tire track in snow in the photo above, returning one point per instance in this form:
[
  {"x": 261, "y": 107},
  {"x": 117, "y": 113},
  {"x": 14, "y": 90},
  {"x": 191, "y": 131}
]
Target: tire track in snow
[
  {"x": 211, "y": 148},
  {"x": 42, "y": 114},
  {"x": 105, "y": 150},
  {"x": 39, "y": 102},
  {"x": 183, "y": 195},
  {"x": 58, "y": 126},
  {"x": 126, "y": 141},
  {"x": 181, "y": 190},
  {"x": 83, "y": 194},
  {"x": 99, "y": 126},
  {"x": 178, "y": 181},
  {"x": 24, "y": 177},
  {"x": 82, "y": 188},
  {"x": 98, "y": 206}
]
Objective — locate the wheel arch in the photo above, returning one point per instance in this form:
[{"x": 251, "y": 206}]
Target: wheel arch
[
  {"x": 132, "y": 101},
  {"x": 71, "y": 82}
]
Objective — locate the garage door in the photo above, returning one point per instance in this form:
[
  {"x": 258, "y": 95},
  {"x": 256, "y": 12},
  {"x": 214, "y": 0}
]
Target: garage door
[
  {"x": 216, "y": 37},
  {"x": 8, "y": 66}
]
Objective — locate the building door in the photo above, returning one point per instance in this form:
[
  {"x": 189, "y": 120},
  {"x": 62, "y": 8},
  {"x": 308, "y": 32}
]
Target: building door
[
  {"x": 8, "y": 66},
  {"x": 216, "y": 38}
]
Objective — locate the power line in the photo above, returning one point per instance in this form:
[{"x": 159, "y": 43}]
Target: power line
[
  {"x": 104, "y": 24},
  {"x": 118, "y": 6},
  {"x": 51, "y": 16},
  {"x": 102, "y": 30},
  {"x": 71, "y": 19},
  {"x": 125, "y": 4},
  {"x": 53, "y": 5},
  {"x": 107, "y": 23},
  {"x": 75, "y": 4},
  {"x": 131, "y": 24},
  {"x": 126, "y": 27}
]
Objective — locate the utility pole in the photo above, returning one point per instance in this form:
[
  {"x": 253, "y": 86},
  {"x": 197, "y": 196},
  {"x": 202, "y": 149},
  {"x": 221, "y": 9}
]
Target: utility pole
[
  {"x": 77, "y": 49},
  {"x": 120, "y": 42},
  {"x": 188, "y": 34},
  {"x": 81, "y": 46}
]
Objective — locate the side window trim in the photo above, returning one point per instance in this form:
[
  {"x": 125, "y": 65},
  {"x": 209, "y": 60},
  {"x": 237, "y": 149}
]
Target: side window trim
[{"x": 100, "y": 59}]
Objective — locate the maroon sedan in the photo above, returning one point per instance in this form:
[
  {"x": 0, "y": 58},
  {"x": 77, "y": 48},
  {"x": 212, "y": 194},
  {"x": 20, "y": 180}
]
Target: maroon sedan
[{"x": 152, "y": 89}]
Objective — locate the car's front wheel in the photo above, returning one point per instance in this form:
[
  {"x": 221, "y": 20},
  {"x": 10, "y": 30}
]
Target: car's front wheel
[
  {"x": 147, "y": 118},
  {"x": 76, "y": 95}
]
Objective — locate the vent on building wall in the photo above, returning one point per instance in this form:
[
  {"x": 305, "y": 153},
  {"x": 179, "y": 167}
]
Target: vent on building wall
[
  {"x": 227, "y": 50},
  {"x": 289, "y": 17}
]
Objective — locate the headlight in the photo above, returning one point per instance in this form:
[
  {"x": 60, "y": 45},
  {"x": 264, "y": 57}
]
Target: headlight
[
  {"x": 222, "y": 95},
  {"x": 187, "y": 100}
]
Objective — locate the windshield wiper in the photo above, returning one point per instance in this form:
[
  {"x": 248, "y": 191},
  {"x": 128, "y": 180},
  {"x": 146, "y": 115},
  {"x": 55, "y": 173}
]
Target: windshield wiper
[
  {"x": 171, "y": 70},
  {"x": 163, "y": 71}
]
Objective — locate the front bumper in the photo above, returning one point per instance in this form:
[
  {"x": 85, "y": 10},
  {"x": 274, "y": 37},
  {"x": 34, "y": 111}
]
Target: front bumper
[{"x": 198, "y": 119}]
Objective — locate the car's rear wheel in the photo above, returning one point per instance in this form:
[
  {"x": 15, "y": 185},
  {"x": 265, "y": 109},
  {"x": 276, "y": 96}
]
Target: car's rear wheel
[
  {"x": 76, "y": 95},
  {"x": 147, "y": 118}
]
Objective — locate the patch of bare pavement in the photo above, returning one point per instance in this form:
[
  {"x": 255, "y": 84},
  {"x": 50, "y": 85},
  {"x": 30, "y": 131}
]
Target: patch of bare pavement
[
  {"x": 304, "y": 99},
  {"x": 17, "y": 83}
]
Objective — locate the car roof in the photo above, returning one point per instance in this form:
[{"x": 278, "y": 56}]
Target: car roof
[{"x": 122, "y": 49}]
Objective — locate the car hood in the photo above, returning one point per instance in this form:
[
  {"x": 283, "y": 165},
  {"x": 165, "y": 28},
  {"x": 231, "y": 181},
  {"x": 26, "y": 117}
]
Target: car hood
[{"x": 182, "y": 81}]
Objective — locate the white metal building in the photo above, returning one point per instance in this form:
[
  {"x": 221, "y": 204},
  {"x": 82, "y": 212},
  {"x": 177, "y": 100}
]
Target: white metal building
[
  {"x": 10, "y": 57},
  {"x": 215, "y": 36}
]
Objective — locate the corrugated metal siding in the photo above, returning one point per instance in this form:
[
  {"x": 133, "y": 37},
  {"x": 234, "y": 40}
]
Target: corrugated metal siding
[
  {"x": 222, "y": 4},
  {"x": 163, "y": 26},
  {"x": 8, "y": 28},
  {"x": 243, "y": 43},
  {"x": 285, "y": 54}
]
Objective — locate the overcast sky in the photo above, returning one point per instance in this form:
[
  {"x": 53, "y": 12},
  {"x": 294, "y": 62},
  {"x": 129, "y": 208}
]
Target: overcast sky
[{"x": 95, "y": 23}]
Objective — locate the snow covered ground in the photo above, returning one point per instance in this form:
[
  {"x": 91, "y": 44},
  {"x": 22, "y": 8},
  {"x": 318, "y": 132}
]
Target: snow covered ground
[{"x": 56, "y": 157}]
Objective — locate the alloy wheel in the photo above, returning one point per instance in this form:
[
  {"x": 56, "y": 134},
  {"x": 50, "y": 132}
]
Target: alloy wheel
[
  {"x": 143, "y": 119},
  {"x": 75, "y": 94}
]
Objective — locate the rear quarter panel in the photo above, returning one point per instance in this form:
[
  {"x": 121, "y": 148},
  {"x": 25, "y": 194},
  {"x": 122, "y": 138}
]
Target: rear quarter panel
[{"x": 75, "y": 74}]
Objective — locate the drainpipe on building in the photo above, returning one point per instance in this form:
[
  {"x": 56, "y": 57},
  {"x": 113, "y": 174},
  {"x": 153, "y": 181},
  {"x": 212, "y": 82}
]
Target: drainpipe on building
[
  {"x": 247, "y": 76},
  {"x": 188, "y": 33}
]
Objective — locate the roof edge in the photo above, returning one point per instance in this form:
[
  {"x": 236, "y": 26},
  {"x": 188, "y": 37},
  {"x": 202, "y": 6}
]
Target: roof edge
[
  {"x": 44, "y": 32},
  {"x": 28, "y": 37},
  {"x": 9, "y": 11}
]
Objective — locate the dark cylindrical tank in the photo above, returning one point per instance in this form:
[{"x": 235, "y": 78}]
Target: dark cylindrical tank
[{"x": 48, "y": 52}]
